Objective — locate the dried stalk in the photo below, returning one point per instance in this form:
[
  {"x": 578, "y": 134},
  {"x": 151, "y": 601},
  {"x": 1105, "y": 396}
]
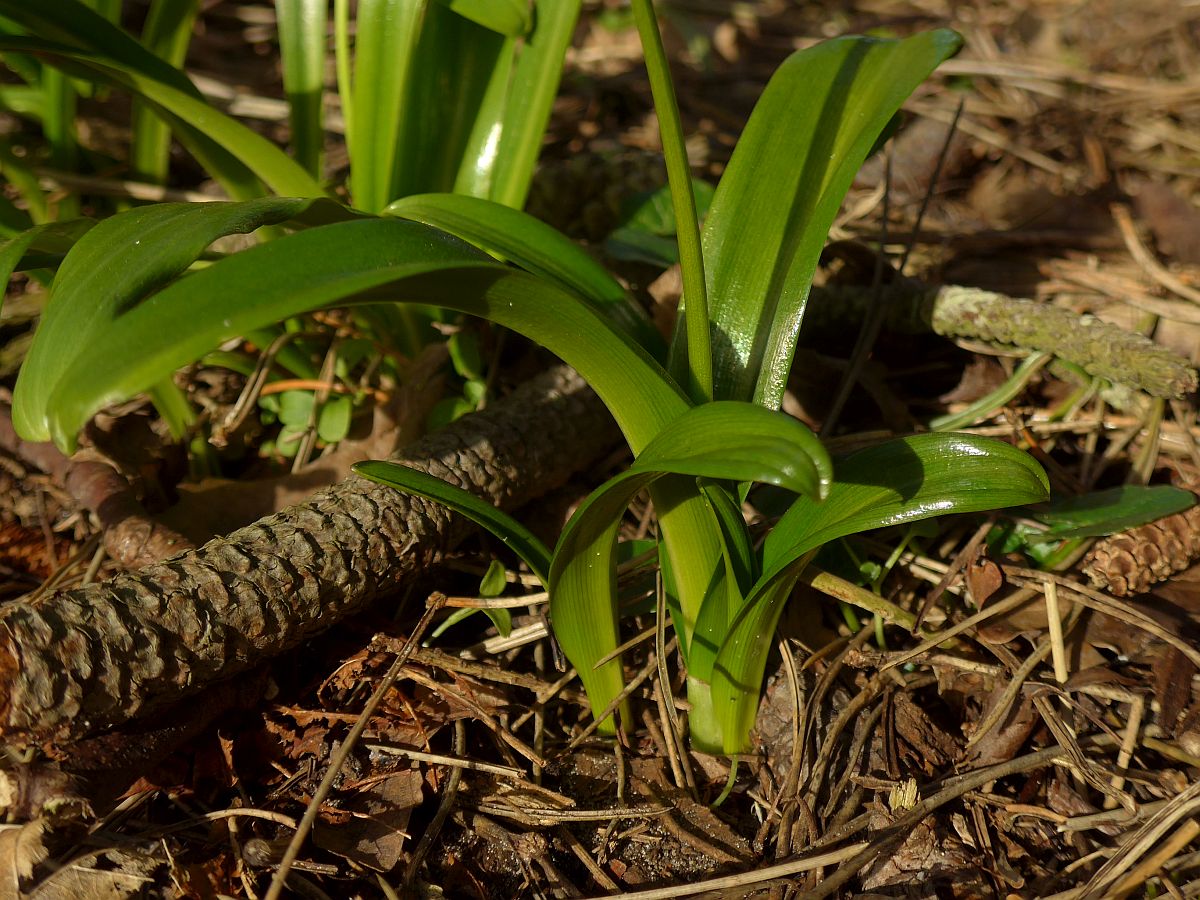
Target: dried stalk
[
  {"x": 80, "y": 661},
  {"x": 1101, "y": 349}
]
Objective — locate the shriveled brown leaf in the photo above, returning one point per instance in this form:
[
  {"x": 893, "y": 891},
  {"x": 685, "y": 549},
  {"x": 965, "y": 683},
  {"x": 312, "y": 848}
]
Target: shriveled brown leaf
[{"x": 374, "y": 837}]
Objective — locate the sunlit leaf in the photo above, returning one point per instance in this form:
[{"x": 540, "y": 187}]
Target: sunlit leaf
[
  {"x": 807, "y": 137},
  {"x": 366, "y": 260},
  {"x": 534, "y": 246},
  {"x": 509, "y": 17},
  {"x": 228, "y": 149},
  {"x": 1109, "y": 511},
  {"x": 734, "y": 441},
  {"x": 900, "y": 481},
  {"x": 115, "y": 264},
  {"x": 302, "y": 52}
]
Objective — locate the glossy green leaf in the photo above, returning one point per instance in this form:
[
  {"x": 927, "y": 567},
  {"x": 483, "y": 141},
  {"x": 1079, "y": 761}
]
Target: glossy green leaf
[
  {"x": 1109, "y": 511},
  {"x": 734, "y": 441},
  {"x": 358, "y": 261},
  {"x": 508, "y": 17},
  {"x": 535, "y": 79},
  {"x": 514, "y": 535},
  {"x": 810, "y": 131},
  {"x": 695, "y": 371},
  {"x": 901, "y": 481},
  {"x": 518, "y": 237},
  {"x": 302, "y": 52},
  {"x": 117, "y": 262},
  {"x": 385, "y": 42},
  {"x": 333, "y": 421}
]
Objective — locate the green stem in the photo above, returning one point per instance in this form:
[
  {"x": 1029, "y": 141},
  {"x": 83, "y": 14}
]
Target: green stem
[{"x": 687, "y": 226}]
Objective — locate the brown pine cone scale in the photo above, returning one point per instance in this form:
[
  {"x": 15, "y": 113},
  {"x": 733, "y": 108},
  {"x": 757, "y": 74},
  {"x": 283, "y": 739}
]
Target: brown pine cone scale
[{"x": 1134, "y": 561}]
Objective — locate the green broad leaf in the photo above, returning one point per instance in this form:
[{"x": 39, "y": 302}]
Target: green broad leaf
[
  {"x": 302, "y": 51},
  {"x": 514, "y": 535},
  {"x": 905, "y": 480},
  {"x": 364, "y": 260},
  {"x": 724, "y": 440},
  {"x": 900, "y": 481},
  {"x": 494, "y": 581},
  {"x": 1109, "y": 511},
  {"x": 333, "y": 421},
  {"x": 508, "y": 17},
  {"x": 807, "y": 137},
  {"x": 114, "y": 264},
  {"x": 295, "y": 408},
  {"x": 229, "y": 150},
  {"x": 518, "y": 237}
]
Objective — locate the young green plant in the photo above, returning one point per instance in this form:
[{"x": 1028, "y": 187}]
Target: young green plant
[{"x": 129, "y": 281}]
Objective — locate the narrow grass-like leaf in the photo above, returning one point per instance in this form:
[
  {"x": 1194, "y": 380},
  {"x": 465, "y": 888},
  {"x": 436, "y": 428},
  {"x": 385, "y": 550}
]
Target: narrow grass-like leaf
[
  {"x": 117, "y": 261},
  {"x": 166, "y": 34},
  {"x": 514, "y": 535},
  {"x": 534, "y": 85},
  {"x": 477, "y": 162},
  {"x": 810, "y": 131},
  {"x": 75, "y": 24},
  {"x": 364, "y": 260},
  {"x": 900, "y": 481},
  {"x": 230, "y": 150},
  {"x": 533, "y": 245},
  {"x": 58, "y": 127},
  {"x": 734, "y": 441},
  {"x": 699, "y": 366},
  {"x": 302, "y": 52},
  {"x": 1115, "y": 509},
  {"x": 385, "y": 40},
  {"x": 508, "y": 17},
  {"x": 451, "y": 108}
]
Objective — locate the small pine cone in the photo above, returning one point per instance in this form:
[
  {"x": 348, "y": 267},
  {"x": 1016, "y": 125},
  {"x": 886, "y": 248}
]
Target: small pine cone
[{"x": 1134, "y": 561}]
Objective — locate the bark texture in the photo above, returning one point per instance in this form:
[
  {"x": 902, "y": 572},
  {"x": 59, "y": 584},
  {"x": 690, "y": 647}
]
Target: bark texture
[
  {"x": 1101, "y": 349},
  {"x": 83, "y": 660}
]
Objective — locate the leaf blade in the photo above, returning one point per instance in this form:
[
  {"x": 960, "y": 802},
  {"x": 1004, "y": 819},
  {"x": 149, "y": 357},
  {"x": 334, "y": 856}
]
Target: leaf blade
[
  {"x": 903, "y": 480},
  {"x": 789, "y": 181},
  {"x": 514, "y": 535}
]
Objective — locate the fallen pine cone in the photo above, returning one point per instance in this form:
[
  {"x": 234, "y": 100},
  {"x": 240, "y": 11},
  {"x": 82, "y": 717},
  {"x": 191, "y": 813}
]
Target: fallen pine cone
[{"x": 1134, "y": 561}]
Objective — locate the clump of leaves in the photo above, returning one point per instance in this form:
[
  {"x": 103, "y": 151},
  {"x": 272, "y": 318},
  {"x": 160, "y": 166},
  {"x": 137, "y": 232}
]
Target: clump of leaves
[{"x": 701, "y": 415}]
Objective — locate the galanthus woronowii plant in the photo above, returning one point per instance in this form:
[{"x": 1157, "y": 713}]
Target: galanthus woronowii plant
[{"x": 701, "y": 416}]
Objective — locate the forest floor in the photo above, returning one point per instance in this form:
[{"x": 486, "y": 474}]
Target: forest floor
[{"x": 1046, "y": 741}]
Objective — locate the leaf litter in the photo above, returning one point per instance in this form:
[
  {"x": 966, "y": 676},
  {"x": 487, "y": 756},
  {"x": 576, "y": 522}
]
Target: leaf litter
[{"x": 1041, "y": 737}]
